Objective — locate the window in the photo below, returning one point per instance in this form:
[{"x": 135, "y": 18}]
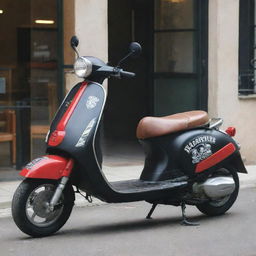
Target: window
[
  {"x": 30, "y": 77},
  {"x": 175, "y": 36},
  {"x": 247, "y": 47}
]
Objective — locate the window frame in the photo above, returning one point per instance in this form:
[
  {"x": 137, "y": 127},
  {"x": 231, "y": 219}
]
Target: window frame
[{"x": 247, "y": 29}]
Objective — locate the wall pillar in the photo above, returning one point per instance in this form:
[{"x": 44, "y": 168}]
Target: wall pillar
[
  {"x": 224, "y": 100},
  {"x": 91, "y": 27},
  {"x": 88, "y": 20}
]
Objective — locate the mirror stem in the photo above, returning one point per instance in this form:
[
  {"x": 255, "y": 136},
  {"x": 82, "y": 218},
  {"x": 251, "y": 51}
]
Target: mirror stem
[
  {"x": 74, "y": 48},
  {"x": 123, "y": 59}
]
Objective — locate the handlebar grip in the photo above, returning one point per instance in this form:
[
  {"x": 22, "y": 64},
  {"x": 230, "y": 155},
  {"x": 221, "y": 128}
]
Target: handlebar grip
[{"x": 127, "y": 74}]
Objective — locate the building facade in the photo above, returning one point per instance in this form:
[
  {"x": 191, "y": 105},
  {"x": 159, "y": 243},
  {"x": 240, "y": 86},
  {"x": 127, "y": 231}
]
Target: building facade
[
  {"x": 223, "y": 75},
  {"x": 197, "y": 54}
]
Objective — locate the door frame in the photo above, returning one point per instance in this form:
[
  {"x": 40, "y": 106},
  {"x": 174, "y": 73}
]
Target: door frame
[
  {"x": 60, "y": 38},
  {"x": 202, "y": 53}
]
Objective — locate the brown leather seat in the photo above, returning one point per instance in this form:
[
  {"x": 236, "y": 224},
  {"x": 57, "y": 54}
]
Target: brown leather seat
[{"x": 150, "y": 126}]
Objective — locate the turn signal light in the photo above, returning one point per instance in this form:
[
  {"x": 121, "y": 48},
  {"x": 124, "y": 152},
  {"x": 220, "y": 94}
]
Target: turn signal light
[{"x": 231, "y": 131}]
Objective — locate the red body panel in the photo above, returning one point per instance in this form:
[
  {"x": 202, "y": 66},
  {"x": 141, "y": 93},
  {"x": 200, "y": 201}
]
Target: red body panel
[
  {"x": 217, "y": 157},
  {"x": 48, "y": 167},
  {"x": 58, "y": 135}
]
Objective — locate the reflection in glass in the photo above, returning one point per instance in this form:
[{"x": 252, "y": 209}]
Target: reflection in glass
[
  {"x": 174, "y": 14},
  {"x": 43, "y": 71},
  {"x": 28, "y": 72},
  {"x": 174, "y": 52},
  {"x": 173, "y": 95},
  {"x": 8, "y": 136}
]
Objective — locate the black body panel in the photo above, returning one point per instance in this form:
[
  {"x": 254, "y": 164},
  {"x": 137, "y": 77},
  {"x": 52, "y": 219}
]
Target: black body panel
[
  {"x": 87, "y": 174},
  {"x": 166, "y": 158},
  {"x": 177, "y": 154}
]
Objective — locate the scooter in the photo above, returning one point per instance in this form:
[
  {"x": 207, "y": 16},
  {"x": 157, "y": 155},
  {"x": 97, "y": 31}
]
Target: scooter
[{"x": 189, "y": 160}]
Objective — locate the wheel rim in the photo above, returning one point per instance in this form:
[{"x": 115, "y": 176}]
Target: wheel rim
[
  {"x": 37, "y": 206},
  {"x": 220, "y": 202}
]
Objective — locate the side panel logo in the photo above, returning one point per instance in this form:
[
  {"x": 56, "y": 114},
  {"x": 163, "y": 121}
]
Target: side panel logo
[
  {"x": 81, "y": 142},
  {"x": 200, "y": 148},
  {"x": 92, "y": 102}
]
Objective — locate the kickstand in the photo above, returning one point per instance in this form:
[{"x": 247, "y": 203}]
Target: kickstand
[
  {"x": 185, "y": 222},
  {"x": 151, "y": 211}
]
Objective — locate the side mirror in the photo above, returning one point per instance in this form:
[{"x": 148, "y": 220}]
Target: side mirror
[
  {"x": 135, "y": 49},
  {"x": 74, "y": 42}
]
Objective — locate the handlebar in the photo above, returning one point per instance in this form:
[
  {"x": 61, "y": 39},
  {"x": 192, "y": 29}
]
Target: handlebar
[
  {"x": 127, "y": 74},
  {"x": 114, "y": 71}
]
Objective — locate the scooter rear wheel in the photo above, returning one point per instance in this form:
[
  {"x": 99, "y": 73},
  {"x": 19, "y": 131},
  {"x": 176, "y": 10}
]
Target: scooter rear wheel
[
  {"x": 222, "y": 205},
  {"x": 30, "y": 209}
]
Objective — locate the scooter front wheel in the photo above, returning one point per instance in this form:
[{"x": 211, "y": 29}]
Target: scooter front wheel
[
  {"x": 220, "y": 206},
  {"x": 30, "y": 207}
]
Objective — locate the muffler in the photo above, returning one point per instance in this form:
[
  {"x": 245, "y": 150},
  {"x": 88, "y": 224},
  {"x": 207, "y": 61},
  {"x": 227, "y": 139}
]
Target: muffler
[{"x": 216, "y": 187}]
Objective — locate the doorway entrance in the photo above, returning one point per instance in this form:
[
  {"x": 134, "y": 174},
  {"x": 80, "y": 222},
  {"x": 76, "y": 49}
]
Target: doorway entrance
[
  {"x": 128, "y": 99},
  {"x": 171, "y": 74}
]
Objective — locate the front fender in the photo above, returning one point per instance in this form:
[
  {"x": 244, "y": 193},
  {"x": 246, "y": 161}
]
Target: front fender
[{"x": 46, "y": 167}]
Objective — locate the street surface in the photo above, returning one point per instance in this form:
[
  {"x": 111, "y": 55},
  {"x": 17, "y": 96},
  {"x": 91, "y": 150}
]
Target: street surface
[{"x": 121, "y": 229}]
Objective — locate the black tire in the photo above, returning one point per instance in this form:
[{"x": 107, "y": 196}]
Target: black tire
[
  {"x": 32, "y": 196},
  {"x": 215, "y": 208}
]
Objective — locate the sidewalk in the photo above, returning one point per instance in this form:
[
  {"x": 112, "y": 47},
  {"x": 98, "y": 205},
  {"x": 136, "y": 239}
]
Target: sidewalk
[{"x": 113, "y": 174}]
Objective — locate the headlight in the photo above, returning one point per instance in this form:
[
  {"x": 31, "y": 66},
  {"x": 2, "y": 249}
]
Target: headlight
[{"x": 82, "y": 67}]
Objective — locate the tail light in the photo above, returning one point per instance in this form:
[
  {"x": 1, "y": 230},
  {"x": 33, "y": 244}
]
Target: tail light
[{"x": 231, "y": 131}]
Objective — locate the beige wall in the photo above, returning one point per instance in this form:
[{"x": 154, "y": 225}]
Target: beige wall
[
  {"x": 223, "y": 76},
  {"x": 91, "y": 27},
  {"x": 87, "y": 19}
]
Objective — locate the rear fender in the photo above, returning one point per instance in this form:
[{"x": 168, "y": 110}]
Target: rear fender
[
  {"x": 237, "y": 162},
  {"x": 48, "y": 167}
]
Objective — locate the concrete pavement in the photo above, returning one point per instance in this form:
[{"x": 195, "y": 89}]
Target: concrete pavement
[
  {"x": 7, "y": 188},
  {"x": 122, "y": 229}
]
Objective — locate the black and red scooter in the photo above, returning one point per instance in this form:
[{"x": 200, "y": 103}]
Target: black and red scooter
[{"x": 188, "y": 159}]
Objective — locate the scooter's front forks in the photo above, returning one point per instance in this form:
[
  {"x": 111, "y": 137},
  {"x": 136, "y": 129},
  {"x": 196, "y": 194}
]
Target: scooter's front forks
[
  {"x": 64, "y": 180},
  {"x": 184, "y": 221},
  {"x": 58, "y": 192}
]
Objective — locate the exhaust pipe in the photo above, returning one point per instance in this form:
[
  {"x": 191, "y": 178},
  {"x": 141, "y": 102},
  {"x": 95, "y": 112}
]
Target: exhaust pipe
[
  {"x": 219, "y": 187},
  {"x": 216, "y": 187}
]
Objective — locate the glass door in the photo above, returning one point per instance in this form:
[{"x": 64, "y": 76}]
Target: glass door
[
  {"x": 30, "y": 76},
  {"x": 178, "y": 59},
  {"x": 42, "y": 69}
]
